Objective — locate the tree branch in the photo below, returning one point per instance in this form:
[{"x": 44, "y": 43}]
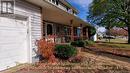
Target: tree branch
[{"x": 123, "y": 20}]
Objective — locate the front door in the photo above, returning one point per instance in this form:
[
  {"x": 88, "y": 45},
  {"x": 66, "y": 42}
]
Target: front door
[{"x": 49, "y": 29}]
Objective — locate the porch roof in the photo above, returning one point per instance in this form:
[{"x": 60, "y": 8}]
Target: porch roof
[{"x": 54, "y": 14}]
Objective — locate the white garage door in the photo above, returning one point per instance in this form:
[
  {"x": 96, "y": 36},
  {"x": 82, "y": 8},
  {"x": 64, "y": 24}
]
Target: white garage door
[{"x": 13, "y": 42}]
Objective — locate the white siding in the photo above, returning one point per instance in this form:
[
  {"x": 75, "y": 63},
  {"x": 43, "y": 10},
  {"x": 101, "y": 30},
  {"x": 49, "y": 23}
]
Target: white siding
[
  {"x": 18, "y": 34},
  {"x": 34, "y": 13}
]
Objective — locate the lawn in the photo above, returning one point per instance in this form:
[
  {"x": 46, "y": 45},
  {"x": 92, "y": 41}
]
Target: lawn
[
  {"x": 115, "y": 47},
  {"x": 118, "y": 43},
  {"x": 117, "y": 40}
]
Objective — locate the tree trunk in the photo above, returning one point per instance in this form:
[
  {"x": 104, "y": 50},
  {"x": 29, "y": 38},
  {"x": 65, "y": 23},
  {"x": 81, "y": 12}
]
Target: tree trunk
[
  {"x": 128, "y": 23},
  {"x": 109, "y": 35},
  {"x": 129, "y": 34}
]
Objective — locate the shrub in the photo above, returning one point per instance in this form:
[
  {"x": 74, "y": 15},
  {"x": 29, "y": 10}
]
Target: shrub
[
  {"x": 46, "y": 49},
  {"x": 89, "y": 42},
  {"x": 65, "y": 51},
  {"x": 78, "y": 43},
  {"x": 74, "y": 43},
  {"x": 91, "y": 31}
]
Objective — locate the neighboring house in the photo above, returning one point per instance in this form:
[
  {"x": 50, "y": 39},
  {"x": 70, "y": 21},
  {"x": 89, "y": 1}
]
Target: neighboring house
[{"x": 22, "y": 22}]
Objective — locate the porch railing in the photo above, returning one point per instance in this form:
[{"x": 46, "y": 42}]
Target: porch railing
[{"x": 63, "y": 38}]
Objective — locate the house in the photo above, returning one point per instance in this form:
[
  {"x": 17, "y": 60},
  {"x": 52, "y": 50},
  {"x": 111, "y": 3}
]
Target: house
[{"x": 22, "y": 22}]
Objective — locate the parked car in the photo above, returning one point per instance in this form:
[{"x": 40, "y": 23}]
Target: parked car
[{"x": 109, "y": 37}]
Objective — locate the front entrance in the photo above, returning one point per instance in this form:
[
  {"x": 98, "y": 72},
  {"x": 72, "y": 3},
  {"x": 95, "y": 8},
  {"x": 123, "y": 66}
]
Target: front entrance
[
  {"x": 57, "y": 33},
  {"x": 49, "y": 29},
  {"x": 49, "y": 32}
]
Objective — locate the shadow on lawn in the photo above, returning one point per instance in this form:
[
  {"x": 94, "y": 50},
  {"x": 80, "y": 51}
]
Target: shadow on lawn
[
  {"x": 109, "y": 55},
  {"x": 120, "y": 58},
  {"x": 110, "y": 42}
]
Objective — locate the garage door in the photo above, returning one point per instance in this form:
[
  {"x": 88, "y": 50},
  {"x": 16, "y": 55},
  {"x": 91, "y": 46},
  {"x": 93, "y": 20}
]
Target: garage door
[{"x": 13, "y": 42}]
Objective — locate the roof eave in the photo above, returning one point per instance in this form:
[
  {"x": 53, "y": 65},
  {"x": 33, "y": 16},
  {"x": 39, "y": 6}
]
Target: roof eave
[{"x": 68, "y": 4}]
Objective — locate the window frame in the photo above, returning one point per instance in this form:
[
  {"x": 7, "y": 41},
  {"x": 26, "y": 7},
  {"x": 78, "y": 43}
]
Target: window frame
[{"x": 7, "y": 9}]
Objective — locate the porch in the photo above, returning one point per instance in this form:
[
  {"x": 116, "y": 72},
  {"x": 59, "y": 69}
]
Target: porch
[
  {"x": 59, "y": 23},
  {"x": 61, "y": 26},
  {"x": 60, "y": 33}
]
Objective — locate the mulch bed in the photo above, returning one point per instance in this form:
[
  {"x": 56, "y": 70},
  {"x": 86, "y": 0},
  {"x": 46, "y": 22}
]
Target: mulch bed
[
  {"x": 68, "y": 69},
  {"x": 89, "y": 64}
]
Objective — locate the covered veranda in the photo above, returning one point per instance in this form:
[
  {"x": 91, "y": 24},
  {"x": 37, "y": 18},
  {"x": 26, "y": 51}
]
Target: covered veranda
[{"x": 63, "y": 26}]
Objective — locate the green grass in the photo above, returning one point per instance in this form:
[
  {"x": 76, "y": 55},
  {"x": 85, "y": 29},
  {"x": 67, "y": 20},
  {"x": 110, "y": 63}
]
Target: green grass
[{"x": 114, "y": 43}]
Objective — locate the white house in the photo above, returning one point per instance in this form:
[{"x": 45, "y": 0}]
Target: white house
[{"x": 22, "y": 22}]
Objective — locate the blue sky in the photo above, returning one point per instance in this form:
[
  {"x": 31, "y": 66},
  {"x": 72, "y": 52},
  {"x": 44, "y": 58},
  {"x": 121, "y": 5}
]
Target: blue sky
[{"x": 82, "y": 6}]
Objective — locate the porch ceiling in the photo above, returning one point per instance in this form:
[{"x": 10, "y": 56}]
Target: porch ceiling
[
  {"x": 59, "y": 16},
  {"x": 54, "y": 14}
]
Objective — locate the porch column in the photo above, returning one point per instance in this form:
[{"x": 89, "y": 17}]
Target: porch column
[
  {"x": 72, "y": 30},
  {"x": 81, "y": 31},
  {"x": 87, "y": 32},
  {"x": 54, "y": 32}
]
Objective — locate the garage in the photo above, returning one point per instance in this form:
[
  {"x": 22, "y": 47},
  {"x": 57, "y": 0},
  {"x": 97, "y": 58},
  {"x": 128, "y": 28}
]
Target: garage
[{"x": 14, "y": 41}]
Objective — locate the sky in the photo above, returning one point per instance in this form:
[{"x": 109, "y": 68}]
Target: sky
[{"x": 82, "y": 6}]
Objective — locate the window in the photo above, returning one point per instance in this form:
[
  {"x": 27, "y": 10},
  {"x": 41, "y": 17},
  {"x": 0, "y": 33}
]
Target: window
[
  {"x": 49, "y": 29},
  {"x": 67, "y": 8},
  {"x": 70, "y": 11},
  {"x": 57, "y": 2},
  {"x": 7, "y": 7},
  {"x": 58, "y": 29},
  {"x": 54, "y": 1}
]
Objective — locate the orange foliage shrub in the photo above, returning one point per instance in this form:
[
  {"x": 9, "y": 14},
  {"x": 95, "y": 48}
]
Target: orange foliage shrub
[{"x": 46, "y": 49}]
